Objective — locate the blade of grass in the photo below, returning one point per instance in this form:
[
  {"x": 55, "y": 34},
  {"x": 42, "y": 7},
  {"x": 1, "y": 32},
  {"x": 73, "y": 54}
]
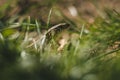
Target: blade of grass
[
  {"x": 108, "y": 53},
  {"x": 49, "y": 16},
  {"x": 116, "y": 12},
  {"x": 1, "y": 37},
  {"x": 81, "y": 31},
  {"x": 39, "y": 32},
  {"x": 38, "y": 27},
  {"x": 78, "y": 42},
  {"x": 27, "y": 30}
]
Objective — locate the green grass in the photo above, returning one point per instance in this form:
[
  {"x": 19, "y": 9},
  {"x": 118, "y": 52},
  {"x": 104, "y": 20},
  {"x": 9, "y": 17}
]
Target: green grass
[{"x": 32, "y": 52}]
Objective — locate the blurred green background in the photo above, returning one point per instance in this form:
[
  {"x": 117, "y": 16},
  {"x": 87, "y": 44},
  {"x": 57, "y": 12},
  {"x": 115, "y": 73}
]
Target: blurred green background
[
  {"x": 85, "y": 45},
  {"x": 39, "y": 9}
]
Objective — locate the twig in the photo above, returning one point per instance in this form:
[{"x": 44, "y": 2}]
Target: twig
[
  {"x": 43, "y": 38},
  {"x": 54, "y": 27}
]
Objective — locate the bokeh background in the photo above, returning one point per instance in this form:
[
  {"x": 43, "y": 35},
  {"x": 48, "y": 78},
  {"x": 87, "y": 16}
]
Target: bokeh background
[
  {"x": 39, "y": 9},
  {"x": 84, "y": 46}
]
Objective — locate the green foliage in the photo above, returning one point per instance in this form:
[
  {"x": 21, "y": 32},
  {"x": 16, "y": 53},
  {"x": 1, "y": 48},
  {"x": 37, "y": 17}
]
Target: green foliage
[{"x": 92, "y": 55}]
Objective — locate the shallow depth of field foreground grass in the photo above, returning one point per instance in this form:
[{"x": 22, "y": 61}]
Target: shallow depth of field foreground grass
[{"x": 32, "y": 51}]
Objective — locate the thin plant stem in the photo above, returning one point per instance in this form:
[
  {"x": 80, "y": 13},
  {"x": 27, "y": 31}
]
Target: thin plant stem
[{"x": 49, "y": 16}]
